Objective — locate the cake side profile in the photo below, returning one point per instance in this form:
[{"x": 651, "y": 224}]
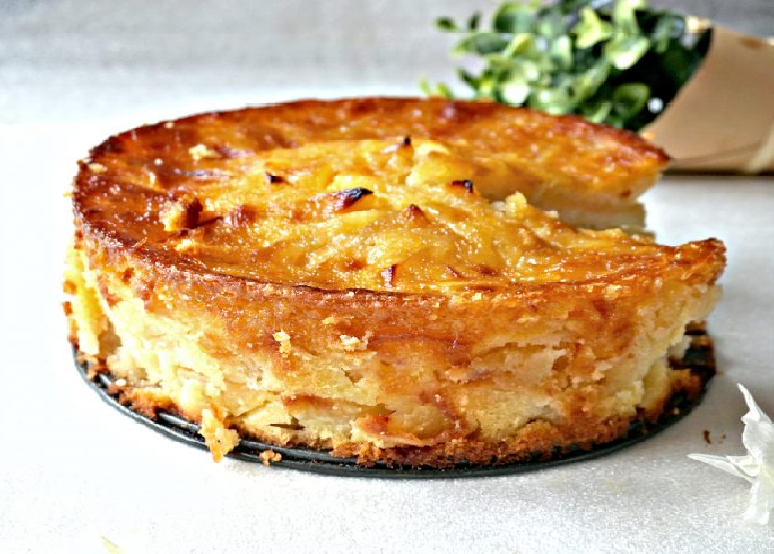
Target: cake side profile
[{"x": 376, "y": 289}]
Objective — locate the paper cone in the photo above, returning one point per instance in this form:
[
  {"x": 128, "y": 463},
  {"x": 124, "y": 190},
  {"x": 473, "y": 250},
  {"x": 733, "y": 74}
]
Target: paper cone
[{"x": 722, "y": 120}]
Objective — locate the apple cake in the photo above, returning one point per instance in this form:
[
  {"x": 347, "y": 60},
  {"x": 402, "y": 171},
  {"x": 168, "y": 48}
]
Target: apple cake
[{"x": 392, "y": 279}]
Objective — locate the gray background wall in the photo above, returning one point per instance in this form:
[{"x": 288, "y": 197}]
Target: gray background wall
[
  {"x": 753, "y": 16},
  {"x": 88, "y": 58}
]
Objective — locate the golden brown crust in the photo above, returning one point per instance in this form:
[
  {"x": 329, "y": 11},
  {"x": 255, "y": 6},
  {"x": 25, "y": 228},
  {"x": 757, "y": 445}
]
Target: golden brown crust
[
  {"x": 135, "y": 193},
  {"x": 443, "y": 336},
  {"x": 307, "y": 274}
]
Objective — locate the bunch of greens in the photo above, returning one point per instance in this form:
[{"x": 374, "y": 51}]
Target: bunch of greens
[{"x": 614, "y": 62}]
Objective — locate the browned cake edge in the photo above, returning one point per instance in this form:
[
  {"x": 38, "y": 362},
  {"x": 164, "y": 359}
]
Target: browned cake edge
[{"x": 537, "y": 441}]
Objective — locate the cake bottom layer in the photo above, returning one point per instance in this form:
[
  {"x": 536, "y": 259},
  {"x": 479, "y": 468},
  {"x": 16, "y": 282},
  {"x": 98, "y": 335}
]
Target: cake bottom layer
[{"x": 469, "y": 457}]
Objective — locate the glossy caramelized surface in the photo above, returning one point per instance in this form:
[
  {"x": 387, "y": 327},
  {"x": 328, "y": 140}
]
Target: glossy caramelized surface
[{"x": 380, "y": 194}]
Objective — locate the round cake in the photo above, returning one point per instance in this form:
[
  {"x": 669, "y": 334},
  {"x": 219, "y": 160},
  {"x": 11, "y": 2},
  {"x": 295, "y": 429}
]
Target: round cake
[{"x": 392, "y": 279}]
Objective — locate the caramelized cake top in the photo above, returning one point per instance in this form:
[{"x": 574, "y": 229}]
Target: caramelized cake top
[{"x": 386, "y": 195}]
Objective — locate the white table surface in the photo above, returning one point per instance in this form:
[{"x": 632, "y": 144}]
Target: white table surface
[{"x": 73, "y": 469}]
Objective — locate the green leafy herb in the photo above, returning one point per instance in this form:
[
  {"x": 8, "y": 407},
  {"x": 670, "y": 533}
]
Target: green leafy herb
[{"x": 616, "y": 62}]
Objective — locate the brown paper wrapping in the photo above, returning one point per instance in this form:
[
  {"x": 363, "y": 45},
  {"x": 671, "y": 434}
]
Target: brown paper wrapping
[{"x": 722, "y": 120}]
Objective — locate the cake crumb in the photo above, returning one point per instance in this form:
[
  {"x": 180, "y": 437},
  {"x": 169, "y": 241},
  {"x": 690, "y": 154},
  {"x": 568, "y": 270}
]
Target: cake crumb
[
  {"x": 349, "y": 342},
  {"x": 200, "y": 151},
  {"x": 281, "y": 336},
  {"x": 612, "y": 292},
  {"x": 269, "y": 457},
  {"x": 185, "y": 244},
  {"x": 284, "y": 339},
  {"x": 181, "y": 213},
  {"x": 219, "y": 439}
]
